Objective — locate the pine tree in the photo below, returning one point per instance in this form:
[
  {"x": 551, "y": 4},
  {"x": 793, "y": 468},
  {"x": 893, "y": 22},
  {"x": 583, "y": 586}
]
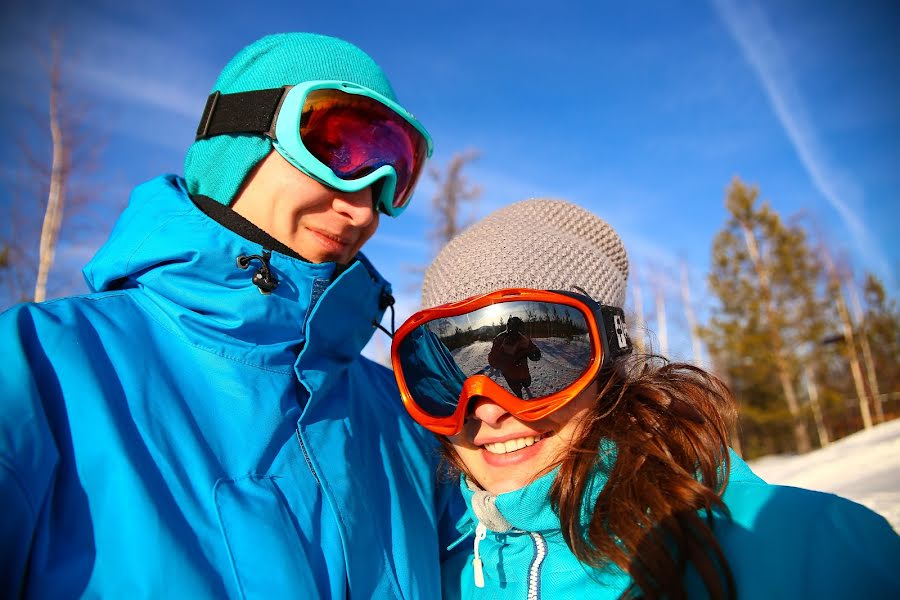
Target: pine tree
[{"x": 765, "y": 332}]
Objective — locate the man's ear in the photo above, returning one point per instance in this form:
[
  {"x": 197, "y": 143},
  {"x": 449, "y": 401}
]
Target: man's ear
[{"x": 250, "y": 177}]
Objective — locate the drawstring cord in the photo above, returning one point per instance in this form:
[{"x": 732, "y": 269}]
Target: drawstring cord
[
  {"x": 386, "y": 301},
  {"x": 263, "y": 278},
  {"x": 477, "y": 567},
  {"x": 266, "y": 282}
]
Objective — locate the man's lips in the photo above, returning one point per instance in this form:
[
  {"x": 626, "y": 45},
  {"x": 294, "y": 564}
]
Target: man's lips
[
  {"x": 338, "y": 238},
  {"x": 332, "y": 242}
]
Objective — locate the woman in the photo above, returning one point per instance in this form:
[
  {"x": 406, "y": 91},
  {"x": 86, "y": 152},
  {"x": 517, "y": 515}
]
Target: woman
[{"x": 613, "y": 476}]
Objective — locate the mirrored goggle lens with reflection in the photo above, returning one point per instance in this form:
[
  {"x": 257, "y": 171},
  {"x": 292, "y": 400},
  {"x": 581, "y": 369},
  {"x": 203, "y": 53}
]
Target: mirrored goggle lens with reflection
[
  {"x": 354, "y": 135},
  {"x": 531, "y": 349}
]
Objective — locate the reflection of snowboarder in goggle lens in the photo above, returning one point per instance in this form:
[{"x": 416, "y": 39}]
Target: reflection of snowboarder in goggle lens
[{"x": 510, "y": 353}]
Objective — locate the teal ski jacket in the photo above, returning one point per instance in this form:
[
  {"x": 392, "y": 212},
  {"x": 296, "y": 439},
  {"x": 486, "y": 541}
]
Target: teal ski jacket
[
  {"x": 178, "y": 433},
  {"x": 780, "y": 542}
]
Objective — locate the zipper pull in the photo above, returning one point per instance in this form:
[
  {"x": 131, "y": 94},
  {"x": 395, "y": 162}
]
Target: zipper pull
[{"x": 480, "y": 534}]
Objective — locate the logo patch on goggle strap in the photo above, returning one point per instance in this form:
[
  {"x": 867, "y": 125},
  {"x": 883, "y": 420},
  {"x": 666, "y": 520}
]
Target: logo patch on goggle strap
[{"x": 621, "y": 332}]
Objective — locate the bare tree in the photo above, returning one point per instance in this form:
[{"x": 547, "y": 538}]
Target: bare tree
[
  {"x": 662, "y": 329},
  {"x": 835, "y": 283},
  {"x": 812, "y": 390},
  {"x": 867, "y": 352},
  {"x": 59, "y": 176},
  {"x": 453, "y": 190},
  {"x": 696, "y": 344},
  {"x": 48, "y": 189},
  {"x": 640, "y": 325}
]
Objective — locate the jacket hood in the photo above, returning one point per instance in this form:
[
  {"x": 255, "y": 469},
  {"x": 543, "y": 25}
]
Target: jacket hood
[{"x": 187, "y": 265}]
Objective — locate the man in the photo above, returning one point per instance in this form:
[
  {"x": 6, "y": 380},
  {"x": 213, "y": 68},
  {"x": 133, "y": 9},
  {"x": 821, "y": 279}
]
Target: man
[
  {"x": 203, "y": 424},
  {"x": 510, "y": 352}
]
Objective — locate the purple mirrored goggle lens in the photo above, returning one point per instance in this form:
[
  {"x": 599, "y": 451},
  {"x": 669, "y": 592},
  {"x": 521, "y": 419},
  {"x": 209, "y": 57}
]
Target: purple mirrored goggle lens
[{"x": 354, "y": 135}]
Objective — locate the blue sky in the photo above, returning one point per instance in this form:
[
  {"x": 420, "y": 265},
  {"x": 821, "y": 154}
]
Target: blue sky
[{"x": 641, "y": 113}]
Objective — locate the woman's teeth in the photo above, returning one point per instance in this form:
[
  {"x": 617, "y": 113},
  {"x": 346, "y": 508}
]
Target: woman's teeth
[{"x": 513, "y": 445}]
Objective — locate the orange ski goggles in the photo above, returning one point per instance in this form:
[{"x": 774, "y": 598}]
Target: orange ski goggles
[{"x": 530, "y": 351}]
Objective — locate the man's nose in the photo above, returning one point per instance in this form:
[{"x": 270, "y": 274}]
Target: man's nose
[
  {"x": 357, "y": 206},
  {"x": 489, "y": 412}
]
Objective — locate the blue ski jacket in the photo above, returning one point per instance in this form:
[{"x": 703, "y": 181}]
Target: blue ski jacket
[
  {"x": 177, "y": 433},
  {"x": 780, "y": 542}
]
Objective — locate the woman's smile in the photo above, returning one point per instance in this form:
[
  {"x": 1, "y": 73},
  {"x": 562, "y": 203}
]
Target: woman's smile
[
  {"x": 514, "y": 451},
  {"x": 502, "y": 453}
]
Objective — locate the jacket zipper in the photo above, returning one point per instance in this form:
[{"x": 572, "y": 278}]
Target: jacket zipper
[
  {"x": 308, "y": 461},
  {"x": 534, "y": 570}
]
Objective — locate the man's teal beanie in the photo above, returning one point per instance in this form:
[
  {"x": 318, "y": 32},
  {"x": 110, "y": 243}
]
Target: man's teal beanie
[{"x": 216, "y": 166}]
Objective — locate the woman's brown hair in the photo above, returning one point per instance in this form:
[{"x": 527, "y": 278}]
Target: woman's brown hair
[{"x": 659, "y": 433}]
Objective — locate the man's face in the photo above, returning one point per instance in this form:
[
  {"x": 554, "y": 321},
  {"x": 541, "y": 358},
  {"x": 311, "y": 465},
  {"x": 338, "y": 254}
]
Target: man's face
[
  {"x": 319, "y": 223},
  {"x": 514, "y": 325}
]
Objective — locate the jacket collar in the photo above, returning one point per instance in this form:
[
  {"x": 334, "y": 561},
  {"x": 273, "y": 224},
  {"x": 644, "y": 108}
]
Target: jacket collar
[
  {"x": 529, "y": 508},
  {"x": 526, "y": 509},
  {"x": 187, "y": 266}
]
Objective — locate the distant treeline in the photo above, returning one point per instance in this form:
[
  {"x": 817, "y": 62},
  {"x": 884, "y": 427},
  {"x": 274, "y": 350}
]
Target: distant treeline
[{"x": 547, "y": 326}]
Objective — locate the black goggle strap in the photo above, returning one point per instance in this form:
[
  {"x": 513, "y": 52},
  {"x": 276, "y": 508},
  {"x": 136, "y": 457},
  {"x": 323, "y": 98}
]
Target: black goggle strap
[{"x": 243, "y": 112}]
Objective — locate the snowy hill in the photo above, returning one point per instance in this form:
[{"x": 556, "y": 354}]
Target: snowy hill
[{"x": 864, "y": 467}]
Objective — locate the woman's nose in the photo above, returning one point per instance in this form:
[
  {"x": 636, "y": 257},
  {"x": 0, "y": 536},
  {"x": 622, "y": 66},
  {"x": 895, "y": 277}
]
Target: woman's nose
[{"x": 489, "y": 412}]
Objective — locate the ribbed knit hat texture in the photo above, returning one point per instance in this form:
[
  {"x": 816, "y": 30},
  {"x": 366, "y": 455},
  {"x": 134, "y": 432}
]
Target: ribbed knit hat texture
[
  {"x": 217, "y": 166},
  {"x": 539, "y": 244}
]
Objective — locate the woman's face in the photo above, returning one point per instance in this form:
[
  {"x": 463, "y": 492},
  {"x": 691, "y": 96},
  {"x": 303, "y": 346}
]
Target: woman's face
[{"x": 503, "y": 453}]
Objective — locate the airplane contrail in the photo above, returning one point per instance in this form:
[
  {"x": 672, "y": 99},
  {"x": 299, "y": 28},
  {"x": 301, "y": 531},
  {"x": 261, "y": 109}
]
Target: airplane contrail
[{"x": 760, "y": 47}]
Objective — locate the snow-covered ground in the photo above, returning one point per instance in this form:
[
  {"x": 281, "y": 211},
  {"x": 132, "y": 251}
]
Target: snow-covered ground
[{"x": 864, "y": 467}]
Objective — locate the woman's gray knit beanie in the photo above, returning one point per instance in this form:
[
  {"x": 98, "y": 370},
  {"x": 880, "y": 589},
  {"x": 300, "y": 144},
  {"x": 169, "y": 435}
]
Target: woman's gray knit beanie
[{"x": 539, "y": 244}]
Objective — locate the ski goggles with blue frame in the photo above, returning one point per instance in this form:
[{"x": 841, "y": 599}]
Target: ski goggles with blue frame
[{"x": 341, "y": 134}]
